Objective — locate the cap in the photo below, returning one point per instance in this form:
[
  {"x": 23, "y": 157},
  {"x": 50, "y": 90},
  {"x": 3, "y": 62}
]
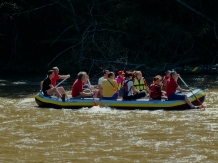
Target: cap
[{"x": 121, "y": 73}]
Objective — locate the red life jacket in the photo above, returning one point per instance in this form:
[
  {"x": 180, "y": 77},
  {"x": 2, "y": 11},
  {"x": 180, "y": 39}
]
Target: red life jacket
[{"x": 155, "y": 91}]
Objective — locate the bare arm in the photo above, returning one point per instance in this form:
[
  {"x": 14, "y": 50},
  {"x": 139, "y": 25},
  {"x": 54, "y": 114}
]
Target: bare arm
[
  {"x": 51, "y": 86},
  {"x": 41, "y": 85},
  {"x": 64, "y": 76},
  {"x": 100, "y": 86},
  {"x": 182, "y": 90},
  {"x": 148, "y": 89},
  {"x": 85, "y": 94},
  {"x": 134, "y": 90}
]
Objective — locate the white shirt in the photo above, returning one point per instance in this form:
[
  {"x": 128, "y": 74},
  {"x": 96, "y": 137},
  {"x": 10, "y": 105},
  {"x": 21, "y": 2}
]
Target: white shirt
[
  {"x": 129, "y": 85},
  {"x": 100, "y": 80}
]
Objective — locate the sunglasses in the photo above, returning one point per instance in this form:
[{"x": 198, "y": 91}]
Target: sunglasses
[{"x": 157, "y": 79}]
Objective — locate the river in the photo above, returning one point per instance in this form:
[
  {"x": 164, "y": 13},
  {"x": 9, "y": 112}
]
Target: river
[{"x": 97, "y": 135}]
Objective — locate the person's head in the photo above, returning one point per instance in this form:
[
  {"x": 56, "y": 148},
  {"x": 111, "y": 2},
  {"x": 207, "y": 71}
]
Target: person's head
[
  {"x": 121, "y": 74},
  {"x": 158, "y": 80},
  {"x": 105, "y": 73},
  {"x": 111, "y": 75},
  {"x": 128, "y": 75},
  {"x": 138, "y": 74},
  {"x": 174, "y": 75},
  {"x": 167, "y": 73},
  {"x": 56, "y": 70},
  {"x": 82, "y": 76},
  {"x": 50, "y": 73}
]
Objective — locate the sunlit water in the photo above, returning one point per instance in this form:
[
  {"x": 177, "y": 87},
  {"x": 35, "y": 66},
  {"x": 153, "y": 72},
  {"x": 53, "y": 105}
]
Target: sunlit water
[{"x": 32, "y": 134}]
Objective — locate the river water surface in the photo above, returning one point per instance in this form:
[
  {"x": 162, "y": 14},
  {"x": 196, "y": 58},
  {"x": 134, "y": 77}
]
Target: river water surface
[{"x": 32, "y": 134}]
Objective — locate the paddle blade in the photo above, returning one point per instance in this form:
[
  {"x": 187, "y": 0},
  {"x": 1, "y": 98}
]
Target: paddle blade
[
  {"x": 195, "y": 69},
  {"x": 201, "y": 104},
  {"x": 96, "y": 103}
]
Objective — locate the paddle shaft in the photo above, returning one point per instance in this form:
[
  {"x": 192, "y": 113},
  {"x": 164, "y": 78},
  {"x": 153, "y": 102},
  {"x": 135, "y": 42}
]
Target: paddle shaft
[
  {"x": 92, "y": 93},
  {"x": 60, "y": 82},
  {"x": 192, "y": 92}
]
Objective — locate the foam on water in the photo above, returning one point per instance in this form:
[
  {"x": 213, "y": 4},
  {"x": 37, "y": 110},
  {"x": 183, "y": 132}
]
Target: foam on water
[{"x": 104, "y": 134}]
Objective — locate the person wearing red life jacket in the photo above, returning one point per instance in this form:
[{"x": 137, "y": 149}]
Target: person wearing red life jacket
[
  {"x": 155, "y": 89},
  {"x": 165, "y": 78}
]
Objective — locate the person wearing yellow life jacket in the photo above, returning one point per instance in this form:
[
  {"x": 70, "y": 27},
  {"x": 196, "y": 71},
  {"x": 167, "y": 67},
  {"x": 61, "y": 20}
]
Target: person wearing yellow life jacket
[{"x": 139, "y": 82}]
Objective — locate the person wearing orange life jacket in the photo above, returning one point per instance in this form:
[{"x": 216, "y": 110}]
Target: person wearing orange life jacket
[
  {"x": 155, "y": 89},
  {"x": 139, "y": 82},
  {"x": 166, "y": 77},
  {"x": 120, "y": 78}
]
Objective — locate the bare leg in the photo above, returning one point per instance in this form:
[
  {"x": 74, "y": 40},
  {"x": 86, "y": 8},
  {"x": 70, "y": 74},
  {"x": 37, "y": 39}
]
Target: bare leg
[
  {"x": 100, "y": 92},
  {"x": 52, "y": 91},
  {"x": 86, "y": 90},
  {"x": 62, "y": 91},
  {"x": 95, "y": 93},
  {"x": 41, "y": 85},
  {"x": 188, "y": 102}
]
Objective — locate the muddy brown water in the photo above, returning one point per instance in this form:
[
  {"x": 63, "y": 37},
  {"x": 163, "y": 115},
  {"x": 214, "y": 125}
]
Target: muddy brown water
[{"x": 32, "y": 134}]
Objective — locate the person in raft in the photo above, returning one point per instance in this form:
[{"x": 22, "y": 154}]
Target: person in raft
[
  {"x": 57, "y": 76},
  {"x": 155, "y": 89},
  {"x": 105, "y": 76},
  {"x": 139, "y": 82},
  {"x": 166, "y": 77},
  {"x": 110, "y": 87},
  {"x": 172, "y": 86},
  {"x": 87, "y": 86},
  {"x": 77, "y": 88},
  {"x": 132, "y": 92},
  {"x": 48, "y": 89},
  {"x": 120, "y": 78}
]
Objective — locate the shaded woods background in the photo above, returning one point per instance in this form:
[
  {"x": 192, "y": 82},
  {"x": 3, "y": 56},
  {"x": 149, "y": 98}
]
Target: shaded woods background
[{"x": 91, "y": 35}]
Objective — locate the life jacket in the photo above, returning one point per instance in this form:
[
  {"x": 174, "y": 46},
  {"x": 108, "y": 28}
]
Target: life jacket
[
  {"x": 140, "y": 84},
  {"x": 155, "y": 91},
  {"x": 124, "y": 90}
]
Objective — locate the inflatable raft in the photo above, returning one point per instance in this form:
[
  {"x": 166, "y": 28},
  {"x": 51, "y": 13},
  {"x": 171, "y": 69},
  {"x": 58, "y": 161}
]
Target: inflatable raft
[{"x": 142, "y": 104}]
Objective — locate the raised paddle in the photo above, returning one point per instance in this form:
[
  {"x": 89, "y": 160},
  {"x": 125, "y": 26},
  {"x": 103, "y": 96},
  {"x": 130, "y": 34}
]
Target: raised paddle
[
  {"x": 61, "y": 82},
  {"x": 192, "y": 92},
  {"x": 95, "y": 103}
]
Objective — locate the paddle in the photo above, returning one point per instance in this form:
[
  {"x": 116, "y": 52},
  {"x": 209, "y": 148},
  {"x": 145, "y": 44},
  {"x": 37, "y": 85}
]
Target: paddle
[
  {"x": 61, "y": 82},
  {"x": 192, "y": 93},
  {"x": 95, "y": 103}
]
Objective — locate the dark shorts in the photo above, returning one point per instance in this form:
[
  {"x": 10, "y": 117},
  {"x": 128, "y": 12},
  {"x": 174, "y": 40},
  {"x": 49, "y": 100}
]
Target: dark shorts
[
  {"x": 45, "y": 93},
  {"x": 111, "y": 98},
  {"x": 135, "y": 96},
  {"x": 176, "y": 97}
]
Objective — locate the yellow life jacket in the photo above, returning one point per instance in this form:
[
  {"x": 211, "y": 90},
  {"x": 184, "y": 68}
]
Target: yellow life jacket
[
  {"x": 139, "y": 84},
  {"x": 119, "y": 86}
]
